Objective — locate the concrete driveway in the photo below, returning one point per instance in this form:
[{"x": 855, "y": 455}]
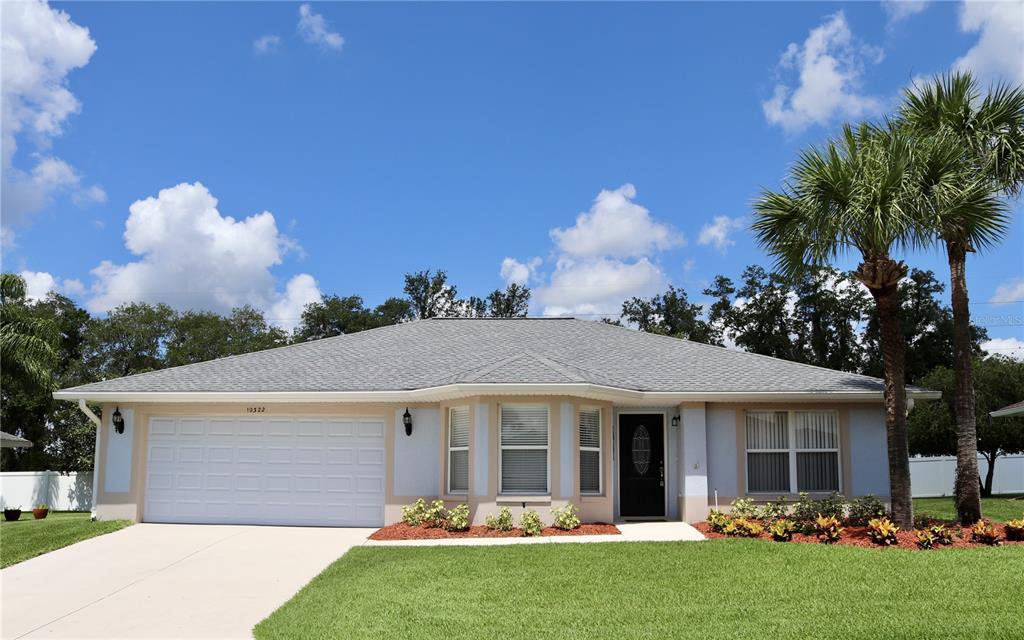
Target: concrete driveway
[{"x": 166, "y": 581}]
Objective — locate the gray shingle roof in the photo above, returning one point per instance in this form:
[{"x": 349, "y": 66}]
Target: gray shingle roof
[{"x": 431, "y": 353}]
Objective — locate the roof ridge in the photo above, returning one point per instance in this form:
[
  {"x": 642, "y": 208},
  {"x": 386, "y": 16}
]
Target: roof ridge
[{"x": 472, "y": 375}]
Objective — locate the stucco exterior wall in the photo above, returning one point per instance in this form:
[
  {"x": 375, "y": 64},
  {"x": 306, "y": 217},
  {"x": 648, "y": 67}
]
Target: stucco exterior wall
[{"x": 869, "y": 453}]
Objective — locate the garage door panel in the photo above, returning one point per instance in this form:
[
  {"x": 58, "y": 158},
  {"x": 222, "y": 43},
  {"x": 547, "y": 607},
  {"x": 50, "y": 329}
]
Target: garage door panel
[{"x": 280, "y": 470}]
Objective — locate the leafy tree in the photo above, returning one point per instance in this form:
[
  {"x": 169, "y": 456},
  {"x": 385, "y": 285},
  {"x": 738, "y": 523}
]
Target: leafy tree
[
  {"x": 670, "y": 314},
  {"x": 430, "y": 294},
  {"x": 761, "y": 320},
  {"x": 131, "y": 339},
  {"x": 984, "y": 139},
  {"x": 197, "y": 336},
  {"x": 513, "y": 302},
  {"x": 998, "y": 381},
  {"x": 27, "y": 343},
  {"x": 855, "y": 194},
  {"x": 830, "y": 305},
  {"x": 334, "y": 316}
]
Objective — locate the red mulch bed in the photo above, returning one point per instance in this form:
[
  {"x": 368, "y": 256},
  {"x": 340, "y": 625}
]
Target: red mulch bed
[
  {"x": 402, "y": 531},
  {"x": 858, "y": 537}
]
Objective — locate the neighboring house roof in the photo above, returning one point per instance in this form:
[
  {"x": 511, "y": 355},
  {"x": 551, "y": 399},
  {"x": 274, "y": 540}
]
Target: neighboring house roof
[
  {"x": 1014, "y": 409},
  {"x": 416, "y": 360},
  {"x": 11, "y": 441}
]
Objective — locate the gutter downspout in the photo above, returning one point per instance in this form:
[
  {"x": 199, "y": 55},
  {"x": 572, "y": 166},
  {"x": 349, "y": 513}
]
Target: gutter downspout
[{"x": 96, "y": 453}]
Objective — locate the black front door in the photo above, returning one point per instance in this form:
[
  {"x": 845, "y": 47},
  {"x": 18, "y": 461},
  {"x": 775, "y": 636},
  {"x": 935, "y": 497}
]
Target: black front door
[{"x": 641, "y": 465}]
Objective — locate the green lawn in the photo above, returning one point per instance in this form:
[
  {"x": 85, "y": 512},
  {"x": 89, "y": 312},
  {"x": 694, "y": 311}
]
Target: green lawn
[
  {"x": 27, "y": 538},
  {"x": 700, "y": 590},
  {"x": 999, "y": 508}
]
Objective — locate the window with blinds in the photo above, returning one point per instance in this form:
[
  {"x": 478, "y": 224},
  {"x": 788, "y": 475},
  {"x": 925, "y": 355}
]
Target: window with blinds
[
  {"x": 590, "y": 451},
  {"x": 792, "y": 451},
  {"x": 524, "y": 449},
  {"x": 458, "y": 450}
]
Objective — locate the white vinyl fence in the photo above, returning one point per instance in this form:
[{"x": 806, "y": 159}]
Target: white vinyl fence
[
  {"x": 931, "y": 477},
  {"x": 26, "y": 489}
]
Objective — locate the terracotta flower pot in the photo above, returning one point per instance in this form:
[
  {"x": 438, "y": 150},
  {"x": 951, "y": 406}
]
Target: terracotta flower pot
[
  {"x": 11, "y": 515},
  {"x": 39, "y": 514}
]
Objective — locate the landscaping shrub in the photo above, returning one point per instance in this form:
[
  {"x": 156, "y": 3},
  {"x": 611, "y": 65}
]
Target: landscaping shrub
[
  {"x": 782, "y": 530},
  {"x": 1015, "y": 530},
  {"x": 864, "y": 509},
  {"x": 925, "y": 538},
  {"x": 530, "y": 523},
  {"x": 985, "y": 533},
  {"x": 882, "y": 531},
  {"x": 941, "y": 534},
  {"x": 458, "y": 518},
  {"x": 434, "y": 515},
  {"x": 566, "y": 518},
  {"x": 744, "y": 528},
  {"x": 743, "y": 508},
  {"x": 501, "y": 522},
  {"x": 412, "y": 514},
  {"x": 828, "y": 528},
  {"x": 807, "y": 510},
  {"x": 718, "y": 521},
  {"x": 771, "y": 511}
]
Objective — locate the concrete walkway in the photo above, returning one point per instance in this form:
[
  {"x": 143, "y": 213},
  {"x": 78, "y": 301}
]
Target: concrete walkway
[
  {"x": 631, "y": 532},
  {"x": 167, "y": 581}
]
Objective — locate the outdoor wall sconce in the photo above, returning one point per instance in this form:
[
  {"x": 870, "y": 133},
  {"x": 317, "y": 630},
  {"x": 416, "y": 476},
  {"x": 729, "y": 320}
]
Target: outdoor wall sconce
[
  {"x": 117, "y": 420},
  {"x": 675, "y": 420},
  {"x": 407, "y": 421}
]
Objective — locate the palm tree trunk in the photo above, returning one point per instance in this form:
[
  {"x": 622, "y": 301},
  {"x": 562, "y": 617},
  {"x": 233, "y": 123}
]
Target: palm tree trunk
[
  {"x": 966, "y": 487},
  {"x": 882, "y": 276}
]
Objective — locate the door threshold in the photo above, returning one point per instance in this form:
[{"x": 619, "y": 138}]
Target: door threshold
[{"x": 643, "y": 519}]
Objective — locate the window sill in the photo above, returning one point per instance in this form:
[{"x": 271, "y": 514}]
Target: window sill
[
  {"x": 503, "y": 499},
  {"x": 593, "y": 497}
]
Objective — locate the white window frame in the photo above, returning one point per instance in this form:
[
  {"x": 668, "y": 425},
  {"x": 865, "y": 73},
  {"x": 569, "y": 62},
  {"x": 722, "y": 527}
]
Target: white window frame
[
  {"x": 547, "y": 450},
  {"x": 448, "y": 455},
  {"x": 599, "y": 449},
  {"x": 792, "y": 450}
]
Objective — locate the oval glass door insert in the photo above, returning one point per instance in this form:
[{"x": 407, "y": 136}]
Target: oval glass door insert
[{"x": 641, "y": 450}]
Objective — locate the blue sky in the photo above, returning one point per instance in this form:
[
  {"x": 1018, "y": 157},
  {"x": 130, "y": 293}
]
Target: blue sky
[{"x": 593, "y": 151}]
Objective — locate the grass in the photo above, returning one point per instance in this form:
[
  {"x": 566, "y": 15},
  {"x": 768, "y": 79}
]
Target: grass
[
  {"x": 27, "y": 538},
  {"x": 999, "y": 508},
  {"x": 712, "y": 589}
]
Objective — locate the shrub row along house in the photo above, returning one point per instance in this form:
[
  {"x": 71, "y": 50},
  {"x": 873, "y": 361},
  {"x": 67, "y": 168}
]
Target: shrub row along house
[{"x": 526, "y": 413}]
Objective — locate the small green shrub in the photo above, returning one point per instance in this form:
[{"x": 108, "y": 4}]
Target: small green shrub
[
  {"x": 718, "y": 520},
  {"x": 743, "y": 508},
  {"x": 412, "y": 514},
  {"x": 566, "y": 518},
  {"x": 925, "y": 538},
  {"x": 941, "y": 534},
  {"x": 458, "y": 518},
  {"x": 771, "y": 511},
  {"x": 807, "y": 510},
  {"x": 828, "y": 529},
  {"x": 985, "y": 533},
  {"x": 864, "y": 509},
  {"x": 502, "y": 522},
  {"x": 530, "y": 523},
  {"x": 1015, "y": 530},
  {"x": 882, "y": 531},
  {"x": 782, "y": 530},
  {"x": 434, "y": 515}
]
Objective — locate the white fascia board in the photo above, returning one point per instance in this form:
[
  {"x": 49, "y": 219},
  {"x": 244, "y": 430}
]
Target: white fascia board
[{"x": 453, "y": 391}]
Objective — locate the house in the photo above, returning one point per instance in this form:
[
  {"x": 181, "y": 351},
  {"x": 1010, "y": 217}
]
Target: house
[{"x": 525, "y": 413}]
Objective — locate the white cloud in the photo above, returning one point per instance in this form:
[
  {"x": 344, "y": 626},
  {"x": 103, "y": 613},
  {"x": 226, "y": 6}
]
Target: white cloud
[
  {"x": 598, "y": 286},
  {"x": 192, "y": 257},
  {"x": 717, "y": 232},
  {"x": 40, "y": 47},
  {"x": 1010, "y": 347},
  {"x": 314, "y": 29},
  {"x": 999, "y": 52},
  {"x": 898, "y": 10},
  {"x": 1010, "y": 291},
  {"x": 521, "y": 273},
  {"x": 300, "y": 291},
  {"x": 38, "y": 284},
  {"x": 615, "y": 226},
  {"x": 73, "y": 286},
  {"x": 829, "y": 66},
  {"x": 266, "y": 44},
  {"x": 95, "y": 193}
]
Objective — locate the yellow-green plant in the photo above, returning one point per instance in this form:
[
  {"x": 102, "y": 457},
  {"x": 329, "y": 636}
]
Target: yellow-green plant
[
  {"x": 942, "y": 535},
  {"x": 985, "y": 533},
  {"x": 1015, "y": 530},
  {"x": 782, "y": 530},
  {"x": 882, "y": 531},
  {"x": 530, "y": 523},
  {"x": 566, "y": 518},
  {"x": 434, "y": 515},
  {"x": 412, "y": 514},
  {"x": 502, "y": 522},
  {"x": 744, "y": 528},
  {"x": 458, "y": 518},
  {"x": 718, "y": 521},
  {"x": 925, "y": 538},
  {"x": 827, "y": 529}
]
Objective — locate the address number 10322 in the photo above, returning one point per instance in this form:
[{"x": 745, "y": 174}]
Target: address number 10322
[{"x": 255, "y": 409}]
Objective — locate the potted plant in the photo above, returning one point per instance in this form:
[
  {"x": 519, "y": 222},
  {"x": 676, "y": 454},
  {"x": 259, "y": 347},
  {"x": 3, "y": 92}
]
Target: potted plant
[
  {"x": 12, "y": 513},
  {"x": 40, "y": 511}
]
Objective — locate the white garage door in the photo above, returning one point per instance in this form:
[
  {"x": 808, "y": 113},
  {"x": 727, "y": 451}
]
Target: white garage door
[{"x": 279, "y": 470}]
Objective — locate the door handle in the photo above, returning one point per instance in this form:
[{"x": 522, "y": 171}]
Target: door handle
[{"x": 661, "y": 474}]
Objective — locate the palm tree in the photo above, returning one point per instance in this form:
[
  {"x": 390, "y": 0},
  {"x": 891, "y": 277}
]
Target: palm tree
[
  {"x": 988, "y": 139},
  {"x": 27, "y": 352},
  {"x": 855, "y": 195}
]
